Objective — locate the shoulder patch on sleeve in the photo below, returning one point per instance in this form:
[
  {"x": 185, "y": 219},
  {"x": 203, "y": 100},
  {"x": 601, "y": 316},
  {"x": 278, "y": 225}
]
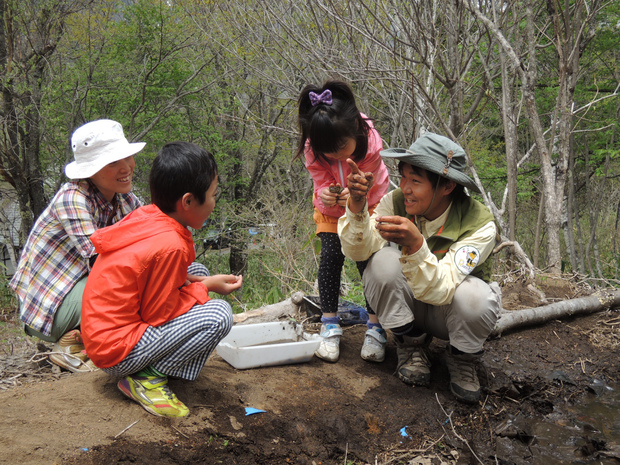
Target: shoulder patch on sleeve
[{"x": 466, "y": 259}]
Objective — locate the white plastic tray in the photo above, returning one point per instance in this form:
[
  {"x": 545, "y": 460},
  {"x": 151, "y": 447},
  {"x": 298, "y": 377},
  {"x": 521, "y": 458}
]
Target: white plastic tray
[{"x": 267, "y": 344}]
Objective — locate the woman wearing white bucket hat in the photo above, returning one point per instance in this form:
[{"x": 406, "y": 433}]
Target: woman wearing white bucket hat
[{"x": 58, "y": 254}]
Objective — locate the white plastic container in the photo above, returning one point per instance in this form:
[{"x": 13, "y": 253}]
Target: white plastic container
[{"x": 267, "y": 344}]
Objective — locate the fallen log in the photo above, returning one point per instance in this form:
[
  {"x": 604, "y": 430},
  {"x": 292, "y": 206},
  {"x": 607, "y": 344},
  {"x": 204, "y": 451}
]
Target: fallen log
[
  {"x": 273, "y": 312},
  {"x": 601, "y": 300},
  {"x": 508, "y": 320}
]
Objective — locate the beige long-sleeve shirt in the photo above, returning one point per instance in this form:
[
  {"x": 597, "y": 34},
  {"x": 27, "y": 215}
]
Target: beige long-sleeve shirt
[{"x": 432, "y": 281}]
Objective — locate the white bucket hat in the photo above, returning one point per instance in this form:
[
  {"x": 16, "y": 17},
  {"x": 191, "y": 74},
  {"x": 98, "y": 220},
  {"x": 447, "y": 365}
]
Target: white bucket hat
[{"x": 97, "y": 144}]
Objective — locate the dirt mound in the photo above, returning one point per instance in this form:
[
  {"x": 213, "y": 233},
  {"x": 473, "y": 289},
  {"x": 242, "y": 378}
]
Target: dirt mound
[{"x": 314, "y": 413}]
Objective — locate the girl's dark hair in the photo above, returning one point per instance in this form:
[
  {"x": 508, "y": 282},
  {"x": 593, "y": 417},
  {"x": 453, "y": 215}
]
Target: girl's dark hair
[
  {"x": 329, "y": 126},
  {"x": 180, "y": 168}
]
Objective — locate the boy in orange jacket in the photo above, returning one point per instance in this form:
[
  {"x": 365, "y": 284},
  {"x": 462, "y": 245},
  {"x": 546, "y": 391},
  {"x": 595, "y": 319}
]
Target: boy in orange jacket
[{"x": 146, "y": 311}]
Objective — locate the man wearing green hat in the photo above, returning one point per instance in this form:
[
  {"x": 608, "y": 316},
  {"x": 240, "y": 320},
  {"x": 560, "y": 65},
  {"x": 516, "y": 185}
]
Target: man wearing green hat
[{"x": 436, "y": 283}]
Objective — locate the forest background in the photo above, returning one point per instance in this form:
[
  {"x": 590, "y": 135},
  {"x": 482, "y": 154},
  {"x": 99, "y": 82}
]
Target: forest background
[{"x": 529, "y": 88}]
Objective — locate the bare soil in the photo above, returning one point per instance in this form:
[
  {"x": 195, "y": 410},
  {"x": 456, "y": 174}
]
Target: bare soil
[{"x": 350, "y": 412}]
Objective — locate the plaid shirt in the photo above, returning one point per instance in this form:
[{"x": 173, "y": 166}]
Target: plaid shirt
[{"x": 58, "y": 251}]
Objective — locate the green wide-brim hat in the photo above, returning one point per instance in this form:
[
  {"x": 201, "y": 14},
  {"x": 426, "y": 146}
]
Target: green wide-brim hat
[{"x": 437, "y": 154}]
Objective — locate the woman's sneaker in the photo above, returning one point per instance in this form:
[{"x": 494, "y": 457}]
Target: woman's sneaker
[
  {"x": 375, "y": 341},
  {"x": 153, "y": 394},
  {"x": 329, "y": 349},
  {"x": 69, "y": 353}
]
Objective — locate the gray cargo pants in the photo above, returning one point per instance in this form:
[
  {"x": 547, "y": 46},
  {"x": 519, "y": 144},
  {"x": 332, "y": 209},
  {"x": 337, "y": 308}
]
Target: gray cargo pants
[{"x": 466, "y": 322}]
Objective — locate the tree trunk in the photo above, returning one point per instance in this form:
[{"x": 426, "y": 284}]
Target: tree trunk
[
  {"x": 538, "y": 233},
  {"x": 569, "y": 41},
  {"x": 552, "y": 212},
  {"x": 594, "y": 211},
  {"x": 571, "y": 211},
  {"x": 32, "y": 140}
]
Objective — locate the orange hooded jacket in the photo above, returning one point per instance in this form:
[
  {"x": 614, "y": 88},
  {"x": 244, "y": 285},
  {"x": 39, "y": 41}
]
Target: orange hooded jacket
[{"x": 138, "y": 281}]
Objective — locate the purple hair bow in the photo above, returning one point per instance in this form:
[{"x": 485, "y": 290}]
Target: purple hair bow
[{"x": 324, "y": 97}]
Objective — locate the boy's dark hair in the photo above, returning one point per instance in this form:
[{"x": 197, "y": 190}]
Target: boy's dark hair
[
  {"x": 180, "y": 168},
  {"x": 328, "y": 126},
  {"x": 435, "y": 180}
]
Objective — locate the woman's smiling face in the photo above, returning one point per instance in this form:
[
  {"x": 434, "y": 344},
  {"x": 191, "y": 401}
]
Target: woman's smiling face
[{"x": 115, "y": 177}]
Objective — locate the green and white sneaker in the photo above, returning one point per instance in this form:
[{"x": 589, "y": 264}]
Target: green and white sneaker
[{"x": 153, "y": 394}]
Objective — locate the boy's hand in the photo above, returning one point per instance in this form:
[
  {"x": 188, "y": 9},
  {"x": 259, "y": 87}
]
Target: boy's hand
[
  {"x": 401, "y": 231},
  {"x": 223, "y": 284},
  {"x": 359, "y": 185}
]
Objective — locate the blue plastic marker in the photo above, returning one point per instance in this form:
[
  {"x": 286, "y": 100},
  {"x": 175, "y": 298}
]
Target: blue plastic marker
[{"x": 252, "y": 411}]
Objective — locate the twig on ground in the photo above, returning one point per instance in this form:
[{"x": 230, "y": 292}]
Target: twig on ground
[
  {"x": 455, "y": 433},
  {"x": 485, "y": 402},
  {"x": 409, "y": 453},
  {"x": 491, "y": 434},
  {"x": 41, "y": 357},
  {"x": 126, "y": 429},
  {"x": 184, "y": 435}
]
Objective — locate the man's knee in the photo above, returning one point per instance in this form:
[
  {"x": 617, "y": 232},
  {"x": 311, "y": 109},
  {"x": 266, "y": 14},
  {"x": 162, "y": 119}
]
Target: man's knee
[
  {"x": 384, "y": 268},
  {"x": 475, "y": 299}
]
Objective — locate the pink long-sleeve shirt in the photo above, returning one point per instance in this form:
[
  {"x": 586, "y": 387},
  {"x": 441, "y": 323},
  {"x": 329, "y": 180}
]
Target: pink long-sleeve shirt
[{"x": 326, "y": 172}]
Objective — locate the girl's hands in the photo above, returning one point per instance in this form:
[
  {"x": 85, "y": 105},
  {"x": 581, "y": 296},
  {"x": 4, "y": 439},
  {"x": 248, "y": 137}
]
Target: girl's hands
[{"x": 334, "y": 195}]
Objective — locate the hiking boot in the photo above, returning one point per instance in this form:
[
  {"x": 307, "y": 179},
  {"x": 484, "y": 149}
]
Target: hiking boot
[
  {"x": 375, "y": 341},
  {"x": 413, "y": 363},
  {"x": 329, "y": 350},
  {"x": 153, "y": 394},
  {"x": 69, "y": 353},
  {"x": 464, "y": 382}
]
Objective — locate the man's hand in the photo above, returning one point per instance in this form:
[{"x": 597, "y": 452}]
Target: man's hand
[
  {"x": 359, "y": 185},
  {"x": 401, "y": 231}
]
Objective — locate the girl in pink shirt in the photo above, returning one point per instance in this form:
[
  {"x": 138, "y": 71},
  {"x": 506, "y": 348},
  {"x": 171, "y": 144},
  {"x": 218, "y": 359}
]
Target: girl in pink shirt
[{"x": 333, "y": 130}]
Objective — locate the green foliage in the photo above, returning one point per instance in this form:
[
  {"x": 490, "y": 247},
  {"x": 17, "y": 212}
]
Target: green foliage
[
  {"x": 353, "y": 284},
  {"x": 8, "y": 299},
  {"x": 228, "y": 79},
  {"x": 262, "y": 283},
  {"x": 265, "y": 283}
]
